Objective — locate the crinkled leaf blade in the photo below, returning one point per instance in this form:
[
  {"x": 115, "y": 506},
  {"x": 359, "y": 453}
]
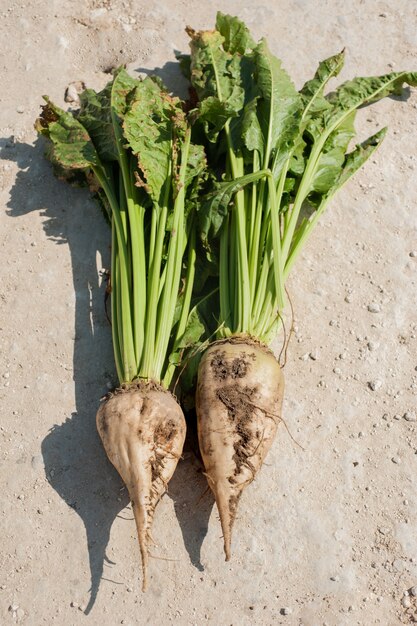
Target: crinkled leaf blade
[
  {"x": 237, "y": 37},
  {"x": 217, "y": 77},
  {"x": 312, "y": 91},
  {"x": 71, "y": 145},
  {"x": 360, "y": 91},
  {"x": 279, "y": 108},
  {"x": 149, "y": 128},
  {"x": 332, "y": 158},
  {"x": 96, "y": 113},
  {"x": 355, "y": 159}
]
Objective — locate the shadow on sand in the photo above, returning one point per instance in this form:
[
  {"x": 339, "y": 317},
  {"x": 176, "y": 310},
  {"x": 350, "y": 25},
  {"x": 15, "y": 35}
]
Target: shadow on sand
[{"x": 76, "y": 466}]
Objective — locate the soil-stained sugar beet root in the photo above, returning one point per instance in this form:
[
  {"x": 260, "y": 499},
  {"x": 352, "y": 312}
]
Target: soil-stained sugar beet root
[
  {"x": 143, "y": 430},
  {"x": 239, "y": 397}
]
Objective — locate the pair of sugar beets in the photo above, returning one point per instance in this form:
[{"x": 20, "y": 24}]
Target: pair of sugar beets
[{"x": 210, "y": 202}]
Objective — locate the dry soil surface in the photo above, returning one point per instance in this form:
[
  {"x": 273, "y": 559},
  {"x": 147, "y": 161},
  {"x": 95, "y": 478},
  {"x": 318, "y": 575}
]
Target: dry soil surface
[{"x": 326, "y": 535}]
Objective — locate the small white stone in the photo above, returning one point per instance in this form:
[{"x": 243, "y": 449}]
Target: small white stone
[
  {"x": 20, "y": 109},
  {"x": 406, "y": 602},
  {"x": 375, "y": 384},
  {"x": 410, "y": 416},
  {"x": 396, "y": 460},
  {"x": 374, "y": 307},
  {"x": 413, "y": 591},
  {"x": 413, "y": 253},
  {"x": 72, "y": 91},
  {"x": 63, "y": 42}
]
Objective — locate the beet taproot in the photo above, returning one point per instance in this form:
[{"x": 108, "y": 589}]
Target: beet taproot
[
  {"x": 142, "y": 428},
  {"x": 238, "y": 401}
]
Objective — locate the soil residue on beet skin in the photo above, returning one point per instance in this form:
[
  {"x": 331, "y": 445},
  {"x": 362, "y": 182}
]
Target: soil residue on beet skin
[
  {"x": 241, "y": 412},
  {"x": 222, "y": 369},
  {"x": 163, "y": 434}
]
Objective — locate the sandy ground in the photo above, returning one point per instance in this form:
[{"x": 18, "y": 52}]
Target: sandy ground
[{"x": 327, "y": 535}]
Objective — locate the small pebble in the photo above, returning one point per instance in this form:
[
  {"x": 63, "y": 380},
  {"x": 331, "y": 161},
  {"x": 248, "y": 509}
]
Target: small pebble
[
  {"x": 372, "y": 345},
  {"x": 20, "y": 614},
  {"x": 74, "y": 605},
  {"x": 375, "y": 384},
  {"x": 396, "y": 460},
  {"x": 374, "y": 307},
  {"x": 286, "y": 611},
  {"x": 413, "y": 591},
  {"x": 6, "y": 375},
  {"x": 413, "y": 253},
  {"x": 410, "y": 416},
  {"x": 348, "y": 298},
  {"x": 72, "y": 91},
  {"x": 20, "y": 109},
  {"x": 406, "y": 603},
  {"x": 13, "y": 607}
]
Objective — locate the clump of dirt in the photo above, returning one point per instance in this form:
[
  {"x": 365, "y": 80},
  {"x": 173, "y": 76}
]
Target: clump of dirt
[
  {"x": 241, "y": 412},
  {"x": 223, "y": 370}
]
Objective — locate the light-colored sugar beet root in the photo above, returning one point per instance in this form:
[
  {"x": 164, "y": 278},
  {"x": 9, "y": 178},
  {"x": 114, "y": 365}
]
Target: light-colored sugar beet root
[
  {"x": 142, "y": 428},
  {"x": 239, "y": 398}
]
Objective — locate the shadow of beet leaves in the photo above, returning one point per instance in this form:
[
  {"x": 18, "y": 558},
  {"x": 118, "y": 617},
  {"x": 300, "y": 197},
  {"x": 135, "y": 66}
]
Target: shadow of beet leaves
[
  {"x": 76, "y": 466},
  {"x": 75, "y": 463}
]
